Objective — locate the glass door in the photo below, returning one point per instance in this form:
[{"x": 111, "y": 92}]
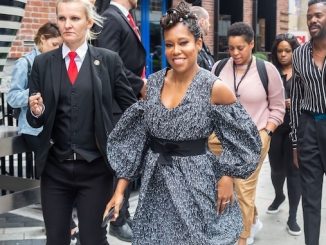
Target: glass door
[{"x": 148, "y": 15}]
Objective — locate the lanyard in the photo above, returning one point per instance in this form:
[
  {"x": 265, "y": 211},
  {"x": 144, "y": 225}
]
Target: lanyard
[{"x": 236, "y": 87}]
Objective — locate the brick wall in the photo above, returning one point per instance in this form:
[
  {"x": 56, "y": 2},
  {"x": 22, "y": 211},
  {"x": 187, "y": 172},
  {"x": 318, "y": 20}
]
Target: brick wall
[
  {"x": 282, "y": 16},
  {"x": 37, "y": 12},
  {"x": 209, "y": 39},
  {"x": 247, "y": 11}
]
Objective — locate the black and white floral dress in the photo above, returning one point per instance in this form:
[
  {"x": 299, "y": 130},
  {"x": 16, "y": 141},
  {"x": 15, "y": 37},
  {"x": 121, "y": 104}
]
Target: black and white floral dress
[{"x": 177, "y": 200}]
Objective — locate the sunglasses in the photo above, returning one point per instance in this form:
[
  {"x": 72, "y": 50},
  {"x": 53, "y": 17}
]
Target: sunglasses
[{"x": 285, "y": 36}]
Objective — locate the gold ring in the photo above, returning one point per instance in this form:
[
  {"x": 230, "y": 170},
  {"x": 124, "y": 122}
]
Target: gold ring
[{"x": 226, "y": 202}]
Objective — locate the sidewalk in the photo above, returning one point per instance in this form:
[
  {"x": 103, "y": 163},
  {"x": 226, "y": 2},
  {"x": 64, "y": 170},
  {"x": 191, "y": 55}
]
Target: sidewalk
[
  {"x": 274, "y": 230},
  {"x": 25, "y": 226}
]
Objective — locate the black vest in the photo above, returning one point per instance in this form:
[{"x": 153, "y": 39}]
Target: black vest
[{"x": 74, "y": 128}]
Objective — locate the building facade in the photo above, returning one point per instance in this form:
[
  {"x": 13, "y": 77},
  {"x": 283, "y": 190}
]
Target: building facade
[
  {"x": 37, "y": 12},
  {"x": 268, "y": 18}
]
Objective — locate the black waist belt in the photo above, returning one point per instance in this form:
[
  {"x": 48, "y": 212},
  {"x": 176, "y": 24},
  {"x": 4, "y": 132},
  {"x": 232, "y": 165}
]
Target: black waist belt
[
  {"x": 169, "y": 148},
  {"x": 74, "y": 157}
]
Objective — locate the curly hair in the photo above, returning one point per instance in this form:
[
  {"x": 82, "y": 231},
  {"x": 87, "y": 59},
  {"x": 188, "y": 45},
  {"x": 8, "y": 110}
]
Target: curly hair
[
  {"x": 181, "y": 14},
  {"x": 311, "y": 2},
  {"x": 241, "y": 29},
  {"x": 288, "y": 37}
]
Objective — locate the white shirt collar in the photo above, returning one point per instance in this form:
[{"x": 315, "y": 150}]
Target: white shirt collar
[
  {"x": 122, "y": 8},
  {"x": 81, "y": 51}
]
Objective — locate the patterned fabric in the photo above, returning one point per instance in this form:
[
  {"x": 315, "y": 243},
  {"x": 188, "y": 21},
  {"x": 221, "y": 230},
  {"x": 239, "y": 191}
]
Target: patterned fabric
[{"x": 177, "y": 202}]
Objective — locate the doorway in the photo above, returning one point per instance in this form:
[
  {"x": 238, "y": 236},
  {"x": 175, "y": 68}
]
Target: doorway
[{"x": 148, "y": 15}]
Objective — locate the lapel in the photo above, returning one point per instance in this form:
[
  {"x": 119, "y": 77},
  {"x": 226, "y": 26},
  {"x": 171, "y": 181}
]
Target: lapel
[
  {"x": 127, "y": 21},
  {"x": 99, "y": 74},
  {"x": 56, "y": 62},
  {"x": 96, "y": 62}
]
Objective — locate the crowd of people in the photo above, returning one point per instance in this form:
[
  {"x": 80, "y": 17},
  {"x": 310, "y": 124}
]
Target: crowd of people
[{"x": 196, "y": 132}]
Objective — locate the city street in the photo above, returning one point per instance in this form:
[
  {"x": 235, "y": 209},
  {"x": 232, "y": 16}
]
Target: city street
[{"x": 25, "y": 226}]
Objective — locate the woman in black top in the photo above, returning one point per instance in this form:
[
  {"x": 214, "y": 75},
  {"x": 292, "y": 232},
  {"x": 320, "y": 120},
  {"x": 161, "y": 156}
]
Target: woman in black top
[{"x": 280, "y": 153}]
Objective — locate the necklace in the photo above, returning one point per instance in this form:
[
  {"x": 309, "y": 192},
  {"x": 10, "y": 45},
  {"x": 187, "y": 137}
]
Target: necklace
[{"x": 236, "y": 86}]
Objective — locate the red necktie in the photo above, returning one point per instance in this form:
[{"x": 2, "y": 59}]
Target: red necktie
[
  {"x": 133, "y": 24},
  {"x": 135, "y": 28},
  {"x": 72, "y": 69}
]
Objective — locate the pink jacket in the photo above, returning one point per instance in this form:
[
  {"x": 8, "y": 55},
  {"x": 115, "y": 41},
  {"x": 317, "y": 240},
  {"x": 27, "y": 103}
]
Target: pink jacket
[{"x": 261, "y": 108}]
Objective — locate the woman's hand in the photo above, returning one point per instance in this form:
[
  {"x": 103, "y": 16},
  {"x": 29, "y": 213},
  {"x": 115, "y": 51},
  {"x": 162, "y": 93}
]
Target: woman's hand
[
  {"x": 288, "y": 103},
  {"x": 36, "y": 104},
  {"x": 117, "y": 199},
  {"x": 295, "y": 158},
  {"x": 225, "y": 193},
  {"x": 116, "y": 203}
]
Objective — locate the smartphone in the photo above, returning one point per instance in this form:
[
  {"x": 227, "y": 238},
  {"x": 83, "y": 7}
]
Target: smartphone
[{"x": 108, "y": 217}]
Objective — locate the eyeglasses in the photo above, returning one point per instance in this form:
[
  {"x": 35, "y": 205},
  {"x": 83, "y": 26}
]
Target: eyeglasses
[{"x": 285, "y": 36}]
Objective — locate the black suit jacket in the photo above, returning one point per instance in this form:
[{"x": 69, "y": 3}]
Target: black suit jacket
[
  {"x": 117, "y": 35},
  {"x": 109, "y": 83}
]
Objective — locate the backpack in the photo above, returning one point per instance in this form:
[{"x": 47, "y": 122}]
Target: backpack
[
  {"x": 16, "y": 111},
  {"x": 260, "y": 67}
]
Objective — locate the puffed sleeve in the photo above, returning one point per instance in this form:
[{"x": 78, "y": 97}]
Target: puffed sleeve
[
  {"x": 239, "y": 138},
  {"x": 127, "y": 143}
]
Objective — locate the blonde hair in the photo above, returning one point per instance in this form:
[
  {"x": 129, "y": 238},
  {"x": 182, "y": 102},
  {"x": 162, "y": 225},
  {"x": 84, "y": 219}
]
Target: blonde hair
[{"x": 91, "y": 14}]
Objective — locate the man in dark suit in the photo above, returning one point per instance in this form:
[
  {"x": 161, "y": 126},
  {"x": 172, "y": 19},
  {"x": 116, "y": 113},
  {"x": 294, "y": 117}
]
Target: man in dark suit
[
  {"x": 72, "y": 91},
  {"x": 121, "y": 34},
  {"x": 118, "y": 34}
]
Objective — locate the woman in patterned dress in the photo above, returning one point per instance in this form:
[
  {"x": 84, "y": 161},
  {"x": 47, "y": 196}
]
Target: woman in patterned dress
[{"x": 186, "y": 197}]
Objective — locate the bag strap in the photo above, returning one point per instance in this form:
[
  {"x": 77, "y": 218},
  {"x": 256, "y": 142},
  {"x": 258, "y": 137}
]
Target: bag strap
[
  {"x": 262, "y": 73},
  {"x": 220, "y": 66},
  {"x": 260, "y": 67},
  {"x": 29, "y": 68}
]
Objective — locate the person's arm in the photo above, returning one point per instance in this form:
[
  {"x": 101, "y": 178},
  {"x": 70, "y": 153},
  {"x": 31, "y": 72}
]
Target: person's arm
[
  {"x": 110, "y": 38},
  {"x": 222, "y": 95},
  {"x": 225, "y": 192},
  {"x": 276, "y": 98},
  {"x": 137, "y": 83},
  {"x": 239, "y": 138},
  {"x": 123, "y": 92},
  {"x": 35, "y": 114},
  {"x": 17, "y": 96},
  {"x": 296, "y": 96},
  {"x": 117, "y": 198}
]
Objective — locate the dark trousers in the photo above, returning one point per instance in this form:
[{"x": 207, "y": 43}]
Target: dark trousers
[
  {"x": 33, "y": 144},
  {"x": 312, "y": 159},
  {"x": 87, "y": 185},
  {"x": 281, "y": 161}
]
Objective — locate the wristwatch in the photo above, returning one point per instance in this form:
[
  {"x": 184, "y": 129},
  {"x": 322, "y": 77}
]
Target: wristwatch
[{"x": 269, "y": 132}]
